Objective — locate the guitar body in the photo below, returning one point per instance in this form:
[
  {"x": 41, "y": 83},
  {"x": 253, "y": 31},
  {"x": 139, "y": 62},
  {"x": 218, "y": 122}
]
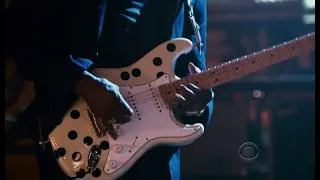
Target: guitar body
[{"x": 153, "y": 123}]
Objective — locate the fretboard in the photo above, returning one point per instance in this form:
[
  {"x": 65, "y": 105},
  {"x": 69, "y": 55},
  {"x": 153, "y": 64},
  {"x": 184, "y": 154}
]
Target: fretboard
[{"x": 243, "y": 66}]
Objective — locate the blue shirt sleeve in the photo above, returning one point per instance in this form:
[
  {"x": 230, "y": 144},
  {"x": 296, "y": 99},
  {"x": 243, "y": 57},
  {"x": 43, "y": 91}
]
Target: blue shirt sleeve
[{"x": 37, "y": 41}]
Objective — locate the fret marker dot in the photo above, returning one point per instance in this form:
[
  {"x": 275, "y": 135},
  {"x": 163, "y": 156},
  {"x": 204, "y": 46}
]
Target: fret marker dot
[
  {"x": 136, "y": 72},
  {"x": 159, "y": 74}
]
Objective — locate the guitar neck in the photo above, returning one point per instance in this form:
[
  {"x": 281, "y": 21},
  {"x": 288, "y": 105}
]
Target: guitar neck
[{"x": 243, "y": 66}]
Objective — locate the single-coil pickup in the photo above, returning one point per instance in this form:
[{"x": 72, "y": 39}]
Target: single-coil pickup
[{"x": 156, "y": 99}]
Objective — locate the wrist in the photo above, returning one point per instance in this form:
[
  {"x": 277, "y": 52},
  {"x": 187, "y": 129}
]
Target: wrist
[
  {"x": 85, "y": 82},
  {"x": 196, "y": 113}
]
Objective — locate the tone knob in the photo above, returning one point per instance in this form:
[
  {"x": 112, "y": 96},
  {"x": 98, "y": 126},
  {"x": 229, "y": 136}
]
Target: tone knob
[
  {"x": 112, "y": 164},
  {"x": 117, "y": 148}
]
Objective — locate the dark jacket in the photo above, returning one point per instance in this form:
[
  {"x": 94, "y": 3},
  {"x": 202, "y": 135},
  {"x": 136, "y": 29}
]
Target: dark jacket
[{"x": 54, "y": 41}]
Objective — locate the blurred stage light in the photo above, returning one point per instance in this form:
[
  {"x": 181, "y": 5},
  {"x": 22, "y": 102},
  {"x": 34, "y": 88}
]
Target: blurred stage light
[
  {"x": 309, "y": 4},
  {"x": 309, "y": 18},
  {"x": 272, "y": 1}
]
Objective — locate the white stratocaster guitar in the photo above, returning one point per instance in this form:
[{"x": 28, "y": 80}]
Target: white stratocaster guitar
[{"x": 82, "y": 147}]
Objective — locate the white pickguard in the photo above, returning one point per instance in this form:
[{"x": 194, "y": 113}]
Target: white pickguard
[
  {"x": 155, "y": 127},
  {"x": 153, "y": 123}
]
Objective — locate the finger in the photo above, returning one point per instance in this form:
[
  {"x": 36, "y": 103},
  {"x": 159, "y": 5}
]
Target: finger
[
  {"x": 211, "y": 94},
  {"x": 208, "y": 94},
  {"x": 109, "y": 84},
  {"x": 186, "y": 92},
  {"x": 118, "y": 114},
  {"x": 122, "y": 119},
  {"x": 181, "y": 104},
  {"x": 126, "y": 118},
  {"x": 126, "y": 109},
  {"x": 178, "y": 101},
  {"x": 193, "y": 69},
  {"x": 110, "y": 129}
]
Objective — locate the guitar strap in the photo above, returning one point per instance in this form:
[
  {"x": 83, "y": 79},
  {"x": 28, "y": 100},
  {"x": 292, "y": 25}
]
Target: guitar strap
[{"x": 188, "y": 8}]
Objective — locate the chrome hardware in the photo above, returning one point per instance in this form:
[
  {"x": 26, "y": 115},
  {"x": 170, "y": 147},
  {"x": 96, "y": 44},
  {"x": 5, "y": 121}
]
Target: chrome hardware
[
  {"x": 93, "y": 157},
  {"x": 194, "y": 24}
]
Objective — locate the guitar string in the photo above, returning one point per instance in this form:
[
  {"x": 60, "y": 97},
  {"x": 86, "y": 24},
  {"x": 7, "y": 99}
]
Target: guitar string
[
  {"x": 155, "y": 90},
  {"x": 147, "y": 93}
]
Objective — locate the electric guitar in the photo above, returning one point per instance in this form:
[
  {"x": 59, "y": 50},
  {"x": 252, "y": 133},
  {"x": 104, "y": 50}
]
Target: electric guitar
[{"x": 84, "y": 150}]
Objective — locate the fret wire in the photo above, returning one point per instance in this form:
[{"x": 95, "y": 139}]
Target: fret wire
[
  {"x": 230, "y": 71},
  {"x": 237, "y": 67},
  {"x": 216, "y": 76},
  {"x": 243, "y": 62},
  {"x": 272, "y": 53}
]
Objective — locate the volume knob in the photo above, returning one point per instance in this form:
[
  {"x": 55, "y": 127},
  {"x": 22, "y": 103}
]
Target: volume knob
[{"x": 112, "y": 164}]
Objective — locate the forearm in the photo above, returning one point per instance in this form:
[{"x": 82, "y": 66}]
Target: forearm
[
  {"x": 204, "y": 118},
  {"x": 67, "y": 72},
  {"x": 50, "y": 70}
]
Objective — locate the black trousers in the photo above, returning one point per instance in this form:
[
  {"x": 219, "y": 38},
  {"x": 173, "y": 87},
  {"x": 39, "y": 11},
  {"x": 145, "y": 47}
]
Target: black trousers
[
  {"x": 48, "y": 166},
  {"x": 143, "y": 170}
]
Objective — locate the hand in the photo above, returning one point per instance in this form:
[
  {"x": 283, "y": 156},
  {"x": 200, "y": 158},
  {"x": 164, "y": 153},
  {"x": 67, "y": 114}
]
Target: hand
[
  {"x": 105, "y": 101},
  {"x": 192, "y": 100}
]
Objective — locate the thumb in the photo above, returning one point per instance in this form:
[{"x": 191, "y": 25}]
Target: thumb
[
  {"x": 193, "y": 69},
  {"x": 128, "y": 110}
]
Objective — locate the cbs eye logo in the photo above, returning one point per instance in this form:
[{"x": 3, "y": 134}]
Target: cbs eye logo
[{"x": 248, "y": 151}]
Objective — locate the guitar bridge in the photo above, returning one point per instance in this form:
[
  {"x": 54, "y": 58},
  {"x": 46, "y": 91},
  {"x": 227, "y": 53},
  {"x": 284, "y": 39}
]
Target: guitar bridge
[{"x": 97, "y": 124}]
